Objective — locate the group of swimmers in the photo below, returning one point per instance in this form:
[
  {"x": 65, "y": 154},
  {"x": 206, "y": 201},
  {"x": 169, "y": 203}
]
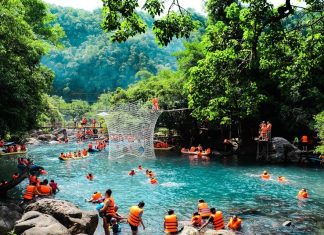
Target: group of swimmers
[
  {"x": 148, "y": 173},
  {"x": 302, "y": 194},
  {"x": 15, "y": 148},
  {"x": 78, "y": 154},
  {"x": 100, "y": 145},
  {"x": 200, "y": 219}
]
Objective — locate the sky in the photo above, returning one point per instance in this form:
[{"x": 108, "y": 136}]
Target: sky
[{"x": 93, "y": 4}]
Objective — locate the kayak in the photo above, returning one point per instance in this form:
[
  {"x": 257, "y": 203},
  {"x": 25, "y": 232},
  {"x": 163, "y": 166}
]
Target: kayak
[
  {"x": 12, "y": 153},
  {"x": 186, "y": 151},
  {"x": 164, "y": 149},
  {"x": 73, "y": 158}
]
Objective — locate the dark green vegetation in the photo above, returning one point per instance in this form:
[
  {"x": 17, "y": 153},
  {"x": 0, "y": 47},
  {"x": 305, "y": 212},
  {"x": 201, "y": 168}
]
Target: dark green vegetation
[
  {"x": 248, "y": 62},
  {"x": 90, "y": 63},
  {"x": 26, "y": 33}
]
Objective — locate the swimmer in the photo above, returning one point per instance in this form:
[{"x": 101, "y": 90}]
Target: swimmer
[
  {"x": 131, "y": 173},
  {"x": 265, "y": 175},
  {"x": 140, "y": 167},
  {"x": 153, "y": 180},
  {"x": 282, "y": 179},
  {"x": 302, "y": 194},
  {"x": 90, "y": 176}
]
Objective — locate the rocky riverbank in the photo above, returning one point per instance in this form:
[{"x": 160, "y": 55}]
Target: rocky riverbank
[{"x": 47, "y": 216}]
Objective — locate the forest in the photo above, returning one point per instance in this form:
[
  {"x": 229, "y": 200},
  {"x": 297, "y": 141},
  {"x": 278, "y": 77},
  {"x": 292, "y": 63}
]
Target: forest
[{"x": 248, "y": 61}]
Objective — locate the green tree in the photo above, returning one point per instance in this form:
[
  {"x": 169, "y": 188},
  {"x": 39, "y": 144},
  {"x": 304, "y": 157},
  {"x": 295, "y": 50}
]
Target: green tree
[
  {"x": 26, "y": 35},
  {"x": 319, "y": 125}
]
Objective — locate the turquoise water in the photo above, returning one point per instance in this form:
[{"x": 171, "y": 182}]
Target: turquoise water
[{"x": 224, "y": 183}]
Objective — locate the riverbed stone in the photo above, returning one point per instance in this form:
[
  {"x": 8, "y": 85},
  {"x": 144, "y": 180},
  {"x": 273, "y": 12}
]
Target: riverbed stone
[
  {"x": 218, "y": 232},
  {"x": 36, "y": 223},
  {"x": 9, "y": 214},
  {"x": 283, "y": 151},
  {"x": 76, "y": 220},
  {"x": 187, "y": 230}
]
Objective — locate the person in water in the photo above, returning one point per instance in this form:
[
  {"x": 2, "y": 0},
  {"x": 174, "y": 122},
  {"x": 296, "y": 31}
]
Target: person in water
[
  {"x": 196, "y": 219},
  {"x": 234, "y": 223},
  {"x": 282, "y": 179},
  {"x": 108, "y": 211},
  {"x": 140, "y": 167},
  {"x": 90, "y": 176},
  {"x": 54, "y": 186},
  {"x": 135, "y": 217},
  {"x": 302, "y": 194},
  {"x": 43, "y": 189},
  {"x": 265, "y": 175},
  {"x": 15, "y": 176},
  {"x": 131, "y": 173},
  {"x": 171, "y": 223},
  {"x": 203, "y": 209},
  {"x": 216, "y": 219},
  {"x": 30, "y": 193}
]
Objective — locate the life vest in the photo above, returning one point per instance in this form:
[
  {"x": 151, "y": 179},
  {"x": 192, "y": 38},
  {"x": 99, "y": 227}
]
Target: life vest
[
  {"x": 96, "y": 196},
  {"x": 265, "y": 176},
  {"x": 170, "y": 224},
  {"x": 282, "y": 179},
  {"x": 218, "y": 221},
  {"x": 304, "y": 139},
  {"x": 90, "y": 146},
  {"x": 235, "y": 225},
  {"x": 302, "y": 194},
  {"x": 131, "y": 173},
  {"x": 196, "y": 220},
  {"x": 192, "y": 149},
  {"x": 111, "y": 206},
  {"x": 44, "y": 189},
  {"x": 134, "y": 216},
  {"x": 90, "y": 177},
  {"x": 53, "y": 185},
  {"x": 153, "y": 181},
  {"x": 203, "y": 209},
  {"x": 200, "y": 154},
  {"x": 30, "y": 192}
]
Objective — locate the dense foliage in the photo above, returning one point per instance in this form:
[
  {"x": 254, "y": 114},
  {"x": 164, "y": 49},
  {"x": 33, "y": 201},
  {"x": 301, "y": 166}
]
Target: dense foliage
[
  {"x": 26, "y": 34},
  {"x": 121, "y": 18},
  {"x": 91, "y": 64},
  {"x": 258, "y": 62},
  {"x": 319, "y": 125}
]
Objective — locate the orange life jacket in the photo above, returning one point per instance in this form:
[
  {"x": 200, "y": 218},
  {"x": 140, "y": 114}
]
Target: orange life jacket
[
  {"x": 33, "y": 179},
  {"x": 90, "y": 177},
  {"x": 192, "y": 149},
  {"x": 218, "y": 221},
  {"x": 111, "y": 206},
  {"x": 96, "y": 196},
  {"x": 196, "y": 220},
  {"x": 134, "y": 216},
  {"x": 203, "y": 209},
  {"x": 170, "y": 224},
  {"x": 235, "y": 225},
  {"x": 265, "y": 176},
  {"x": 304, "y": 139},
  {"x": 90, "y": 146},
  {"x": 153, "y": 181},
  {"x": 302, "y": 194},
  {"x": 44, "y": 189},
  {"x": 30, "y": 192}
]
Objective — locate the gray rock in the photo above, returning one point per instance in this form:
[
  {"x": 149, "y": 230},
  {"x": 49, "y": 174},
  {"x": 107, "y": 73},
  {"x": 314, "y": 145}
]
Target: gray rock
[
  {"x": 36, "y": 223},
  {"x": 283, "y": 151},
  {"x": 187, "y": 230},
  {"x": 32, "y": 140},
  {"x": 45, "y": 137},
  {"x": 9, "y": 214},
  {"x": 76, "y": 220},
  {"x": 218, "y": 232}
]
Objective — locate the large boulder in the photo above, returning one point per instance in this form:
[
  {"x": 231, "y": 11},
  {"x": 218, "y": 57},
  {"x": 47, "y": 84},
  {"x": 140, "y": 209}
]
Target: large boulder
[
  {"x": 218, "y": 232},
  {"x": 32, "y": 141},
  {"x": 76, "y": 220},
  {"x": 282, "y": 150},
  {"x": 46, "y": 137},
  {"x": 36, "y": 223},
  {"x": 187, "y": 230},
  {"x": 9, "y": 214}
]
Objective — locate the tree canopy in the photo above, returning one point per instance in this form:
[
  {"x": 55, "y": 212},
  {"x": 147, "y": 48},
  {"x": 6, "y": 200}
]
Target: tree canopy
[{"x": 26, "y": 33}]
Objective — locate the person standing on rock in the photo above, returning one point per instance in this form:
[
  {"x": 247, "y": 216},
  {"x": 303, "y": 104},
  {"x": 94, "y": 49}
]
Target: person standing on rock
[
  {"x": 108, "y": 211},
  {"x": 135, "y": 217}
]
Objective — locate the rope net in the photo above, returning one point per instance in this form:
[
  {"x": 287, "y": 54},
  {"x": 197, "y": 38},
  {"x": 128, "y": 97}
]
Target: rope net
[{"x": 131, "y": 130}]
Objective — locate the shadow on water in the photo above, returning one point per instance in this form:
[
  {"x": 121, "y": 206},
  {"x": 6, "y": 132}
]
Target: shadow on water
[{"x": 230, "y": 184}]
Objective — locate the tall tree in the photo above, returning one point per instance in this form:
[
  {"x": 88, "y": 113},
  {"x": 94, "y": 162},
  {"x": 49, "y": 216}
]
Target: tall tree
[{"x": 26, "y": 34}]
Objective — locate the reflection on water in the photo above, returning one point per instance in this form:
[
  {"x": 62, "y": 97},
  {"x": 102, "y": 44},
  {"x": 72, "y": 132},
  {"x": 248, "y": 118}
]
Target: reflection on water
[{"x": 225, "y": 183}]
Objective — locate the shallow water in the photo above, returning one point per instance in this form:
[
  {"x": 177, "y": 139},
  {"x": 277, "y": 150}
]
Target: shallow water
[{"x": 225, "y": 183}]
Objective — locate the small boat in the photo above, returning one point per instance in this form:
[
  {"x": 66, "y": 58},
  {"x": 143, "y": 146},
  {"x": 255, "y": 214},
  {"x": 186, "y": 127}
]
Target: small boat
[
  {"x": 164, "y": 149},
  {"x": 73, "y": 158},
  {"x": 12, "y": 153},
  {"x": 203, "y": 153}
]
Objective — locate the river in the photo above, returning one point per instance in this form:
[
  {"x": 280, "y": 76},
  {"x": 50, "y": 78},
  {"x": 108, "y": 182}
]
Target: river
[{"x": 229, "y": 184}]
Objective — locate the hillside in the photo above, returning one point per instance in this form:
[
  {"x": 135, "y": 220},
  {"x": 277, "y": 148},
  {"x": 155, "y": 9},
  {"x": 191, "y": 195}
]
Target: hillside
[{"x": 87, "y": 46}]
